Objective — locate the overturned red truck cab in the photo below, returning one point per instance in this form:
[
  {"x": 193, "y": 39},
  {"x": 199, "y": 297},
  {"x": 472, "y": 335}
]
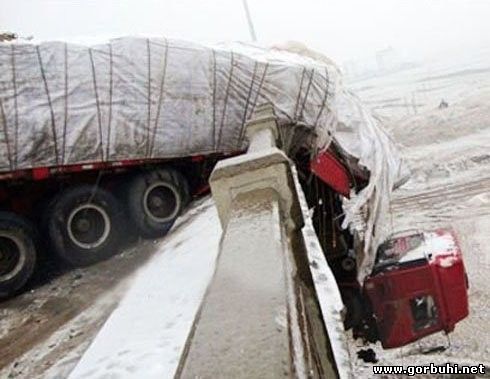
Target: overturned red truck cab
[{"x": 418, "y": 285}]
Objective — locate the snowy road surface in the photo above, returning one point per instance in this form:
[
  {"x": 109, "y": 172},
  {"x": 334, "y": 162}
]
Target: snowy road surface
[
  {"x": 154, "y": 287},
  {"x": 145, "y": 335}
]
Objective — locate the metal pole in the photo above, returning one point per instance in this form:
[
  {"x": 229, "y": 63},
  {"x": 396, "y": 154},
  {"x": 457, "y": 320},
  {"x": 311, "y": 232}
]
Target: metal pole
[{"x": 249, "y": 20}]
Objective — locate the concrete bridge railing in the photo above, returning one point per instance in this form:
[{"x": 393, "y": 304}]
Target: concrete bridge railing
[{"x": 273, "y": 308}]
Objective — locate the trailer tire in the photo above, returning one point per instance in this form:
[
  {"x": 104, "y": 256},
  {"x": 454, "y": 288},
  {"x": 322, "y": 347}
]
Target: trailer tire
[
  {"x": 155, "y": 199},
  {"x": 17, "y": 253},
  {"x": 85, "y": 225}
]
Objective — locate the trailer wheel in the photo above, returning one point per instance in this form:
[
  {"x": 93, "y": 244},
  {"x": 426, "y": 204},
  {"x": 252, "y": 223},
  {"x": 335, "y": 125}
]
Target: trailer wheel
[
  {"x": 17, "y": 253},
  {"x": 155, "y": 199},
  {"x": 84, "y": 225}
]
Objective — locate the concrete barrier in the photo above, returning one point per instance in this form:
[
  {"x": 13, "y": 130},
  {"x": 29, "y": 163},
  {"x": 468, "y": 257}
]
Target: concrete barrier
[{"x": 273, "y": 308}]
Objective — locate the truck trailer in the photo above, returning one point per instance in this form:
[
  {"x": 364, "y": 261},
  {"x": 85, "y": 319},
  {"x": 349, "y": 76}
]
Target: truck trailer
[{"x": 99, "y": 141}]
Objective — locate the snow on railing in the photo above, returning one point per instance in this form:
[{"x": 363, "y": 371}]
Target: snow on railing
[{"x": 273, "y": 308}]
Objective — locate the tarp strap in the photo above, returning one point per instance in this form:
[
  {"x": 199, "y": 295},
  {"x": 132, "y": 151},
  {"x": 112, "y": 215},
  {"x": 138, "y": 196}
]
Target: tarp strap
[
  {"x": 65, "y": 117},
  {"x": 249, "y": 95},
  {"x": 295, "y": 118},
  {"x": 262, "y": 80},
  {"x": 324, "y": 100},
  {"x": 48, "y": 96},
  {"x": 111, "y": 85},
  {"x": 214, "y": 98},
  {"x": 5, "y": 131},
  {"x": 148, "y": 115},
  {"x": 300, "y": 116},
  {"x": 16, "y": 107},
  {"x": 160, "y": 101},
  {"x": 97, "y": 104},
  {"x": 227, "y": 95}
]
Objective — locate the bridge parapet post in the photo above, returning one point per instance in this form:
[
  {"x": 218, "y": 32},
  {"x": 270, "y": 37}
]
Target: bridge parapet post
[{"x": 261, "y": 316}]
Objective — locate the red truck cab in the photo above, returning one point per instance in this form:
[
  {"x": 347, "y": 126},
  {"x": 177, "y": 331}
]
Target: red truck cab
[{"x": 418, "y": 287}]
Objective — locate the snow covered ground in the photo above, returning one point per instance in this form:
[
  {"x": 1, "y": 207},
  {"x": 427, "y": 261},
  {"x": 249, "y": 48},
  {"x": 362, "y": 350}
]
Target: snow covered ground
[
  {"x": 145, "y": 336},
  {"x": 448, "y": 150}
]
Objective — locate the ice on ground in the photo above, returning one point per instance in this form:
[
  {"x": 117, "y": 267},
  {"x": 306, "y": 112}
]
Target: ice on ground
[{"x": 146, "y": 334}]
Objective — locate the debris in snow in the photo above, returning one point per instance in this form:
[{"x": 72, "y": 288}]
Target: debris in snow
[{"x": 367, "y": 355}]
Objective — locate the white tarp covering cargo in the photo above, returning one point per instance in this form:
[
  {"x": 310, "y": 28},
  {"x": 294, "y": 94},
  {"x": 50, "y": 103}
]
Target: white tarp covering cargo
[{"x": 133, "y": 98}]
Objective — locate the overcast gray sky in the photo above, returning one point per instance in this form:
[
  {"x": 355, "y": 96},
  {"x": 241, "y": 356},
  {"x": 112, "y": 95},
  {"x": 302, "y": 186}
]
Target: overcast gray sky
[{"x": 342, "y": 29}]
